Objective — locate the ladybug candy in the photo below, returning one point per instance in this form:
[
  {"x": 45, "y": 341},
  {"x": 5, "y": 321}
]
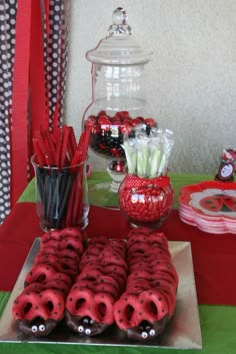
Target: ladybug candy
[
  {"x": 132, "y": 283},
  {"x": 148, "y": 303},
  {"x": 41, "y": 305},
  {"x": 102, "y": 277}
]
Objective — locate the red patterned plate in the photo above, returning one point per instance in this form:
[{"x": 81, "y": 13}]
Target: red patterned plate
[{"x": 209, "y": 205}]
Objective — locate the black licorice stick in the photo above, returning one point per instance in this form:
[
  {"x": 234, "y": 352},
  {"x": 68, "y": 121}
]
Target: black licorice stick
[
  {"x": 52, "y": 196},
  {"x": 65, "y": 189},
  {"x": 47, "y": 177},
  {"x": 56, "y": 198},
  {"x": 45, "y": 200},
  {"x": 54, "y": 188},
  {"x": 40, "y": 182},
  {"x": 61, "y": 186},
  {"x": 49, "y": 180}
]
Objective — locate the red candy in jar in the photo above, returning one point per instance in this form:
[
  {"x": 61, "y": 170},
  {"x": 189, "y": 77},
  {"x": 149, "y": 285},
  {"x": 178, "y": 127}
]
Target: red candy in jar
[
  {"x": 107, "y": 133},
  {"x": 146, "y": 202}
]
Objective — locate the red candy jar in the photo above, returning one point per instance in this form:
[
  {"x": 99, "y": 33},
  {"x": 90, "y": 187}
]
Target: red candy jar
[{"x": 146, "y": 202}]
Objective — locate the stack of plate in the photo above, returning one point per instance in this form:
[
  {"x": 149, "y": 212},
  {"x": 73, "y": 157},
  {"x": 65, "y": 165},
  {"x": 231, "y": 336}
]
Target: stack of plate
[{"x": 210, "y": 206}]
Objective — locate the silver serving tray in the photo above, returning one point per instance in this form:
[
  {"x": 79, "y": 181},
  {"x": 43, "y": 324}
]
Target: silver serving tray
[{"x": 182, "y": 332}]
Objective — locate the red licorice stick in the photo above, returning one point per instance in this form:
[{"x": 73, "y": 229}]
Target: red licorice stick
[
  {"x": 78, "y": 198},
  {"x": 60, "y": 147},
  {"x": 72, "y": 145},
  {"x": 45, "y": 145},
  {"x": 48, "y": 145},
  {"x": 38, "y": 152},
  {"x": 58, "y": 137},
  {"x": 47, "y": 159},
  {"x": 52, "y": 142},
  {"x": 82, "y": 147},
  {"x": 76, "y": 160},
  {"x": 64, "y": 145},
  {"x": 78, "y": 157},
  {"x": 52, "y": 136},
  {"x": 75, "y": 202}
]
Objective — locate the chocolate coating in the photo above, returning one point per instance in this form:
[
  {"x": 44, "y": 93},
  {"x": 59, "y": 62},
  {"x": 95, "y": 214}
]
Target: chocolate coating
[
  {"x": 84, "y": 326},
  {"x": 38, "y": 327},
  {"x": 147, "y": 331}
]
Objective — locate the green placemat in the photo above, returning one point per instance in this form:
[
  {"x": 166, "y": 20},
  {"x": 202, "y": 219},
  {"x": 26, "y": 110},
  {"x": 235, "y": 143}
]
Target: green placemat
[
  {"x": 98, "y": 178},
  {"x": 29, "y": 193}
]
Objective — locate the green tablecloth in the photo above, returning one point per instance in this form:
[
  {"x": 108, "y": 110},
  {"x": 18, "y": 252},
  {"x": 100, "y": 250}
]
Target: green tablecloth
[
  {"x": 177, "y": 180},
  {"x": 218, "y": 323}
]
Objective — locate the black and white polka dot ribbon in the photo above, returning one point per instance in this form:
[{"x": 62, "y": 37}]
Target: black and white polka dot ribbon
[
  {"x": 7, "y": 51},
  {"x": 25, "y": 92},
  {"x": 55, "y": 57}
]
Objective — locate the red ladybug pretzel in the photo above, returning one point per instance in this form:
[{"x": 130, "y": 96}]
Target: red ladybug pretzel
[
  {"x": 149, "y": 300},
  {"x": 68, "y": 238},
  {"x": 38, "y": 312},
  {"x": 65, "y": 253},
  {"x": 67, "y": 242},
  {"x": 108, "y": 288},
  {"x": 54, "y": 284},
  {"x": 61, "y": 264},
  {"x": 86, "y": 303},
  {"x": 146, "y": 235},
  {"x": 44, "y": 272},
  {"x": 41, "y": 304},
  {"x": 137, "y": 286},
  {"x": 144, "y": 315},
  {"x": 57, "y": 284},
  {"x": 103, "y": 272},
  {"x": 58, "y": 235}
]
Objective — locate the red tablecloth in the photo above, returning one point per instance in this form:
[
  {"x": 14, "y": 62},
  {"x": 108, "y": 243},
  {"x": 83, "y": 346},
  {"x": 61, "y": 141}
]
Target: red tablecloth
[{"x": 214, "y": 256}]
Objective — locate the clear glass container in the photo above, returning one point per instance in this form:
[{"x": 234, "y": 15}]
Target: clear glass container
[
  {"x": 119, "y": 102},
  {"x": 146, "y": 202},
  {"x": 61, "y": 195}
]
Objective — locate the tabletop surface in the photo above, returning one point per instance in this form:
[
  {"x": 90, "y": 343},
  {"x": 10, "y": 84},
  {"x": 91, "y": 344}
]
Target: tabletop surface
[{"x": 218, "y": 321}]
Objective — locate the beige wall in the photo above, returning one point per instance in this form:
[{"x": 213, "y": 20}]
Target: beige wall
[{"x": 193, "y": 87}]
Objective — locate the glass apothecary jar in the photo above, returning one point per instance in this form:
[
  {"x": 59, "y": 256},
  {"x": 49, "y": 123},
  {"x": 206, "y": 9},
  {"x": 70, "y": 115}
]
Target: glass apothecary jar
[{"x": 119, "y": 102}]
